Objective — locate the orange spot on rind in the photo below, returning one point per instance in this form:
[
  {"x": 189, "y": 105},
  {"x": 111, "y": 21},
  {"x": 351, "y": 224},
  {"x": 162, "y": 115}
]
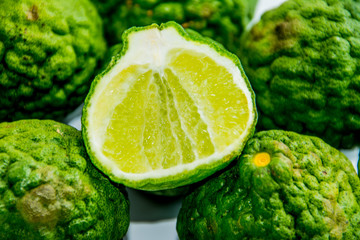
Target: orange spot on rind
[{"x": 262, "y": 159}]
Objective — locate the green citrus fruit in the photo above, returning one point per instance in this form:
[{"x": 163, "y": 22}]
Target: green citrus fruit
[
  {"x": 170, "y": 109},
  {"x": 302, "y": 60},
  {"x": 49, "y": 52},
  {"x": 284, "y": 186},
  {"x": 223, "y": 21},
  {"x": 50, "y": 190}
]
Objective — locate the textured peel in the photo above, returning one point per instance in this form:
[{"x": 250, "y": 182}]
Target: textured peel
[
  {"x": 302, "y": 60},
  {"x": 50, "y": 190},
  {"x": 308, "y": 190}
]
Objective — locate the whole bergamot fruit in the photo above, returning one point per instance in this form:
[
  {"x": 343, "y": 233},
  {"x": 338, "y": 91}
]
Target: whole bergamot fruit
[
  {"x": 49, "y": 50},
  {"x": 223, "y": 21},
  {"x": 303, "y": 61},
  {"x": 50, "y": 190},
  {"x": 284, "y": 186}
]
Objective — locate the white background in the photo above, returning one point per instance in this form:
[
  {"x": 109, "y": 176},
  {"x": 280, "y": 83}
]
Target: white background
[{"x": 154, "y": 217}]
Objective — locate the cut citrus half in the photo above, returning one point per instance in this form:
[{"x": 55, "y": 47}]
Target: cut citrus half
[{"x": 170, "y": 109}]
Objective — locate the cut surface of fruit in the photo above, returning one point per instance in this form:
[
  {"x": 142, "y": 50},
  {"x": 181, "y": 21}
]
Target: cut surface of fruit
[{"x": 170, "y": 110}]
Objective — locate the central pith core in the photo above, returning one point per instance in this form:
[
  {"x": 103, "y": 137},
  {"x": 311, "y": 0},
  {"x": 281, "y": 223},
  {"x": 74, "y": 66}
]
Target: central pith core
[{"x": 262, "y": 159}]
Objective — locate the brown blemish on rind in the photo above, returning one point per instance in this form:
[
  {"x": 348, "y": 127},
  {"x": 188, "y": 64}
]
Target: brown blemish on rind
[
  {"x": 284, "y": 30},
  {"x": 285, "y": 33},
  {"x": 40, "y": 206},
  {"x": 32, "y": 13}
]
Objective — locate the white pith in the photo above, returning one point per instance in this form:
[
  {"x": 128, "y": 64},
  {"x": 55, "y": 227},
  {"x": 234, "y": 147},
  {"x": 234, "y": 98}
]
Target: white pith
[{"x": 150, "y": 47}]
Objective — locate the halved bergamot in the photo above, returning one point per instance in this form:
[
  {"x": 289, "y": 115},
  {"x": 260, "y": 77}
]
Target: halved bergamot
[{"x": 170, "y": 109}]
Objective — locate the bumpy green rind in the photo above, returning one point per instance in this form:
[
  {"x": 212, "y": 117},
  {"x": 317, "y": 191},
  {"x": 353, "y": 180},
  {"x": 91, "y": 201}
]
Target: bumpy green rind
[
  {"x": 49, "y": 50},
  {"x": 189, "y": 176},
  {"x": 303, "y": 61},
  {"x": 50, "y": 190},
  {"x": 309, "y": 190},
  {"x": 221, "y": 20}
]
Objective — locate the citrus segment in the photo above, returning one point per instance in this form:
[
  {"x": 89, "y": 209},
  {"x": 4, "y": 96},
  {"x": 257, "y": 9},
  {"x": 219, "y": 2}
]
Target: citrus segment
[
  {"x": 192, "y": 122},
  {"x": 170, "y": 110},
  {"x": 224, "y": 105},
  {"x": 125, "y": 130}
]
